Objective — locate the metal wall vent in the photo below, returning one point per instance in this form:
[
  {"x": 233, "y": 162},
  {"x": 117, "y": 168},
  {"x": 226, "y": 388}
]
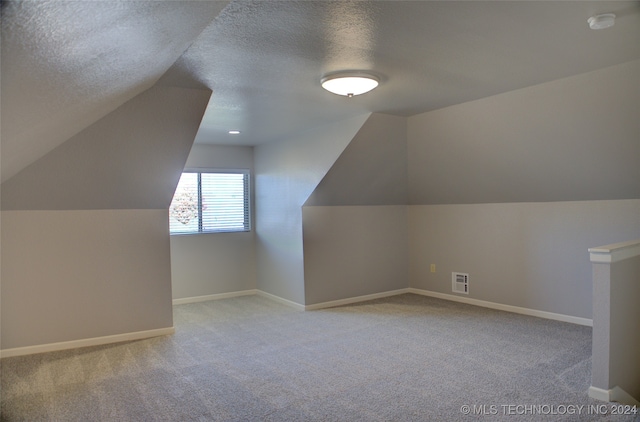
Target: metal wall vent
[{"x": 460, "y": 283}]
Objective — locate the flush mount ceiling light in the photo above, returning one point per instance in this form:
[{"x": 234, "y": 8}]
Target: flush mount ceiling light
[
  {"x": 603, "y": 21},
  {"x": 234, "y": 132},
  {"x": 349, "y": 84}
]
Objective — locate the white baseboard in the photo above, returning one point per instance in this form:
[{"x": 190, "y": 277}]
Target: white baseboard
[
  {"x": 207, "y": 298},
  {"x": 290, "y": 303},
  {"x": 95, "y": 341},
  {"x": 218, "y": 296},
  {"x": 170, "y": 330},
  {"x": 508, "y": 308},
  {"x": 616, "y": 394},
  {"x": 599, "y": 393},
  {"x": 281, "y": 300},
  {"x": 355, "y": 299}
]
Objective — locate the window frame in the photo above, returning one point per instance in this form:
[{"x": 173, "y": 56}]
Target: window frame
[{"x": 248, "y": 211}]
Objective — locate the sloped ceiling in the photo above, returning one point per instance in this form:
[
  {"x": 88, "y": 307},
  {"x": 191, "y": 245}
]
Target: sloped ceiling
[
  {"x": 572, "y": 139},
  {"x": 130, "y": 159},
  {"x": 66, "y": 64},
  {"x": 372, "y": 170},
  {"x": 263, "y": 60}
]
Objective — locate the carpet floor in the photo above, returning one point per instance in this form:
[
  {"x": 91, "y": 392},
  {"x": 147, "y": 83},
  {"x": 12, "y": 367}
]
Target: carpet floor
[{"x": 402, "y": 358}]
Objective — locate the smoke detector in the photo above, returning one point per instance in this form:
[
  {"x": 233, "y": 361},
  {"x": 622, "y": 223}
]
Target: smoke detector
[{"x": 603, "y": 21}]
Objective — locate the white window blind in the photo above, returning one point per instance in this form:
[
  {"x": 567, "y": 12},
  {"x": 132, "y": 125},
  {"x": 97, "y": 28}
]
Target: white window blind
[{"x": 207, "y": 202}]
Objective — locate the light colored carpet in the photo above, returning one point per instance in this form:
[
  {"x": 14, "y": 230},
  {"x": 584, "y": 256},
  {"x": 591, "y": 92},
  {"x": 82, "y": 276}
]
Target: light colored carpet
[{"x": 403, "y": 358}]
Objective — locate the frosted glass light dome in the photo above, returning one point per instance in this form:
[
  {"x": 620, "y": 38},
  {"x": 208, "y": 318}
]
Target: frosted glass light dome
[{"x": 349, "y": 84}]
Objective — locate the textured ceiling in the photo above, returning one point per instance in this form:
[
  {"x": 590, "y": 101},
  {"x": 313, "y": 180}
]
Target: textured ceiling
[
  {"x": 264, "y": 60},
  {"x": 65, "y": 64}
]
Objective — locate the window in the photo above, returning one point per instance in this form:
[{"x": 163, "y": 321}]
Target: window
[{"x": 211, "y": 201}]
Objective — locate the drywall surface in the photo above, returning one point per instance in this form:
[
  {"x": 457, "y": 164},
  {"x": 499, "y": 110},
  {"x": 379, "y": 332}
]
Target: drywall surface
[
  {"x": 66, "y": 64},
  {"x": 531, "y": 255},
  {"x": 372, "y": 170},
  {"x": 205, "y": 156},
  {"x": 616, "y": 321},
  {"x": 570, "y": 139},
  {"x": 601, "y": 339},
  {"x": 85, "y": 235},
  {"x": 352, "y": 251},
  {"x": 287, "y": 172},
  {"x": 214, "y": 263},
  {"x": 355, "y": 221},
  {"x": 70, "y": 275},
  {"x": 130, "y": 159},
  {"x": 625, "y": 326}
]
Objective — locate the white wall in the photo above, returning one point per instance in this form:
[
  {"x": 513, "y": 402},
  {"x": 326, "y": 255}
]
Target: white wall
[
  {"x": 616, "y": 322},
  {"x": 214, "y": 263},
  {"x": 625, "y": 326},
  {"x": 287, "y": 172},
  {"x": 69, "y": 275}
]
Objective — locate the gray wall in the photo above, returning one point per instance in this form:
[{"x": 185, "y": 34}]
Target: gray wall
[
  {"x": 352, "y": 251},
  {"x": 531, "y": 255},
  {"x": 85, "y": 233},
  {"x": 372, "y": 170},
  {"x": 567, "y": 140},
  {"x": 514, "y": 189},
  {"x": 65, "y": 65},
  {"x": 73, "y": 275},
  {"x": 130, "y": 159},
  {"x": 214, "y": 263},
  {"x": 355, "y": 222},
  {"x": 287, "y": 172}
]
